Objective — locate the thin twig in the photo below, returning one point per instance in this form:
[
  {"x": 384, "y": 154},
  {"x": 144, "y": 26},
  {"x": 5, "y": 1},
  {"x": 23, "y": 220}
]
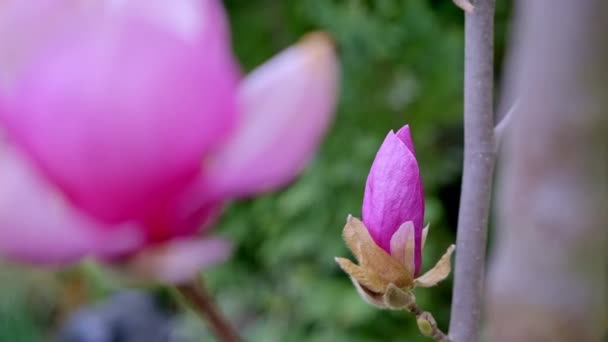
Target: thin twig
[
  {"x": 478, "y": 172},
  {"x": 201, "y": 301},
  {"x": 465, "y": 5},
  {"x": 427, "y": 324},
  {"x": 505, "y": 123}
]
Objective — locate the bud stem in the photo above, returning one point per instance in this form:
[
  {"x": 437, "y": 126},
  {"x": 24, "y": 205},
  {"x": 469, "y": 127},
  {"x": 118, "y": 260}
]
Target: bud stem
[
  {"x": 427, "y": 324},
  {"x": 203, "y": 304}
]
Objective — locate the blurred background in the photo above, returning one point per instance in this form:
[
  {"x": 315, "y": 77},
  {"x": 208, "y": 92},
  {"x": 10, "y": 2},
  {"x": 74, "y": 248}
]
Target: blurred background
[{"x": 402, "y": 63}]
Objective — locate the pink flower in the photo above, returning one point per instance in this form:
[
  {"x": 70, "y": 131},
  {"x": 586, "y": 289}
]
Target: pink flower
[
  {"x": 393, "y": 204},
  {"x": 388, "y": 244},
  {"x": 118, "y": 106},
  {"x": 125, "y": 123}
]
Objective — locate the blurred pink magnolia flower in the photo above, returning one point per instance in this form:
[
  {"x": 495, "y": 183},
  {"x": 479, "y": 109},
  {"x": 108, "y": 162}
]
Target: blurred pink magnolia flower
[
  {"x": 126, "y": 123},
  {"x": 393, "y": 204}
]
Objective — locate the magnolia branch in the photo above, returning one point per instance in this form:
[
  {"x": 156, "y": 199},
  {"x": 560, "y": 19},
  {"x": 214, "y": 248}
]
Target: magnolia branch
[
  {"x": 478, "y": 170},
  {"x": 465, "y": 5},
  {"x": 201, "y": 301}
]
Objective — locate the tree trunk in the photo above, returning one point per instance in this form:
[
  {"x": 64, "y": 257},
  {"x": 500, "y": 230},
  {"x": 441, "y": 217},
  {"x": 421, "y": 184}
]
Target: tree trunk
[{"x": 549, "y": 271}]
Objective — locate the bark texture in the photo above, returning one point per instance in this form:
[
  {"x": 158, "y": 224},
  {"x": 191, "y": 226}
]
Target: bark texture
[{"x": 549, "y": 270}]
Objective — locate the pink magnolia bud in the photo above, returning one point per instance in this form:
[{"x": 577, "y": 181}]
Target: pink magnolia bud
[
  {"x": 394, "y": 200},
  {"x": 124, "y": 124},
  {"x": 388, "y": 244}
]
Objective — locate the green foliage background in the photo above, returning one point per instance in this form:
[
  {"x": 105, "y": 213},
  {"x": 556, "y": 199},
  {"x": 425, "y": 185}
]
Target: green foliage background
[{"x": 402, "y": 63}]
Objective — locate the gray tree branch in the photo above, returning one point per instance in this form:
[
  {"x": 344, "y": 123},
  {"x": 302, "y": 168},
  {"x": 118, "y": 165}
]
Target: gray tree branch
[{"x": 479, "y": 160}]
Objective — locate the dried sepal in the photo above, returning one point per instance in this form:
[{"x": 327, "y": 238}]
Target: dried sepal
[
  {"x": 393, "y": 298},
  {"x": 438, "y": 273},
  {"x": 386, "y": 280},
  {"x": 361, "y": 275},
  {"x": 373, "y": 260},
  {"x": 372, "y": 298}
]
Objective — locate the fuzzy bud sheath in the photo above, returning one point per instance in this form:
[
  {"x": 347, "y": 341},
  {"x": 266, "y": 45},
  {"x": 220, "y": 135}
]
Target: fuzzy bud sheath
[{"x": 385, "y": 280}]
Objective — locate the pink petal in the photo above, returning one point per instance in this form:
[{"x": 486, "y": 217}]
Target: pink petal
[
  {"x": 288, "y": 104},
  {"x": 398, "y": 241},
  {"x": 190, "y": 213},
  {"x": 393, "y": 194},
  {"x": 405, "y": 136},
  {"x": 38, "y": 226},
  {"x": 120, "y": 110},
  {"x": 180, "y": 260},
  {"x": 403, "y": 246},
  {"x": 26, "y": 27}
]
